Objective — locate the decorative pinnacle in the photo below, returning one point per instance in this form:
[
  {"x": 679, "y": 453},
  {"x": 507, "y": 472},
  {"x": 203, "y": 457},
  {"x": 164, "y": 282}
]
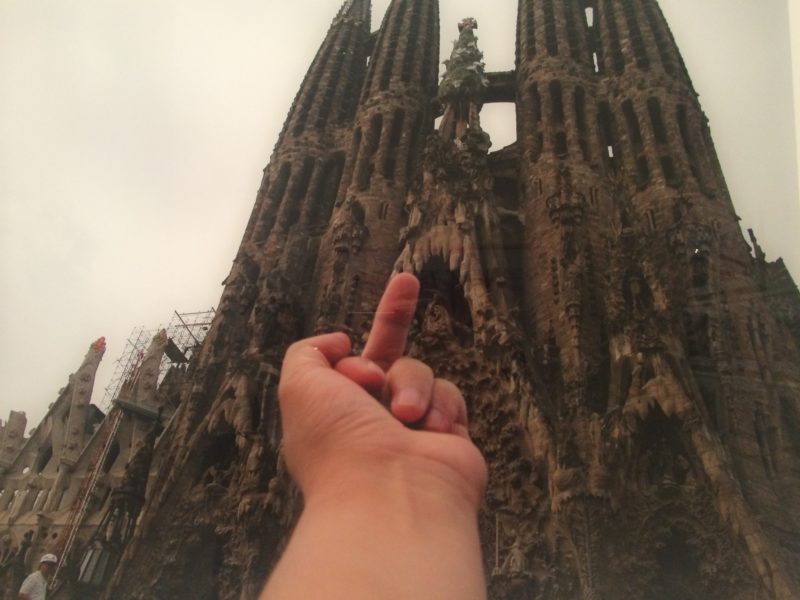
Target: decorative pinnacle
[{"x": 464, "y": 78}]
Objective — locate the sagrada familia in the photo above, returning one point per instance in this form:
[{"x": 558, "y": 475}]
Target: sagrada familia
[{"x": 631, "y": 363}]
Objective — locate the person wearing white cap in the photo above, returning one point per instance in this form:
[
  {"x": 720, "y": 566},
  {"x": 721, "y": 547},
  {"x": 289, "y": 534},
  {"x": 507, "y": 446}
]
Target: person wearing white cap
[{"x": 35, "y": 585}]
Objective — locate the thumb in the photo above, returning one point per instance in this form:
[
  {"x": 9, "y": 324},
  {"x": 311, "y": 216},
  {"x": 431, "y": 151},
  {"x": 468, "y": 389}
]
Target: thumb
[{"x": 308, "y": 365}]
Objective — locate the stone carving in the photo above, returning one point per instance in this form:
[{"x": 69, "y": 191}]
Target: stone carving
[{"x": 629, "y": 364}]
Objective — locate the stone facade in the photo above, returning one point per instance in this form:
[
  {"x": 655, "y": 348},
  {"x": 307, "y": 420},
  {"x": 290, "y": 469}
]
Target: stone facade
[
  {"x": 62, "y": 479},
  {"x": 630, "y": 362}
]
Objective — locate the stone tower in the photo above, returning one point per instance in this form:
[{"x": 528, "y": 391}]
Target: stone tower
[{"x": 630, "y": 363}]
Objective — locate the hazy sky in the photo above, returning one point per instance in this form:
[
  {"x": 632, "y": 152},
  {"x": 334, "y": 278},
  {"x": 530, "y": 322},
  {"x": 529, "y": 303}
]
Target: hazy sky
[{"x": 133, "y": 134}]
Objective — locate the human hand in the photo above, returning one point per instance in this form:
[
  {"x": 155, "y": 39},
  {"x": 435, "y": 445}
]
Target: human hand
[{"x": 338, "y": 438}]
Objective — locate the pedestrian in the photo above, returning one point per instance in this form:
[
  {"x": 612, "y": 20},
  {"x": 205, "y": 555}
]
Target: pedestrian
[{"x": 35, "y": 585}]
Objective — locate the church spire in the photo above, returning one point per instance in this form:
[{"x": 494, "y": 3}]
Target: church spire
[
  {"x": 325, "y": 103},
  {"x": 394, "y": 111},
  {"x": 355, "y": 9},
  {"x": 83, "y": 383},
  {"x": 463, "y": 84}
]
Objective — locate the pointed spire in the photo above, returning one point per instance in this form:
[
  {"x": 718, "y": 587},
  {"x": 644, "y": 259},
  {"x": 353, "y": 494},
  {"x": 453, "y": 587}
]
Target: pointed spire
[
  {"x": 323, "y": 96},
  {"x": 13, "y": 438},
  {"x": 463, "y": 84},
  {"x": 83, "y": 383},
  {"x": 407, "y": 49},
  {"x": 326, "y": 102},
  {"x": 140, "y": 389},
  {"x": 357, "y": 9}
]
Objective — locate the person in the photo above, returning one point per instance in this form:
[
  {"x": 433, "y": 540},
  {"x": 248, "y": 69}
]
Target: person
[
  {"x": 390, "y": 479},
  {"x": 35, "y": 585}
]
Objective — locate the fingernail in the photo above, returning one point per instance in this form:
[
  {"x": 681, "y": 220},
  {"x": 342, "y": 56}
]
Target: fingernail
[{"x": 407, "y": 398}]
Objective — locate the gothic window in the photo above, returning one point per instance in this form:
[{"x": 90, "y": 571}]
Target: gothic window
[
  {"x": 372, "y": 67},
  {"x": 411, "y": 43},
  {"x": 615, "y": 51},
  {"x": 557, "y": 110},
  {"x": 639, "y": 51},
  {"x": 551, "y": 37},
  {"x": 592, "y": 34},
  {"x": 536, "y": 103},
  {"x": 660, "y": 131},
  {"x": 560, "y": 144},
  {"x": 515, "y": 252},
  {"x": 358, "y": 212},
  {"x": 347, "y": 103},
  {"x": 607, "y": 131},
  {"x": 536, "y": 118},
  {"x": 572, "y": 30},
  {"x": 580, "y": 120},
  {"x": 280, "y": 184},
  {"x": 390, "y": 160},
  {"x": 637, "y": 142},
  {"x": 412, "y": 146},
  {"x": 306, "y": 101},
  {"x": 391, "y": 44},
  {"x": 557, "y": 102},
  {"x": 688, "y": 143},
  {"x": 699, "y": 262},
  {"x": 365, "y": 160},
  {"x": 634, "y": 132},
  {"x": 530, "y": 39},
  {"x": 430, "y": 58},
  {"x": 555, "y": 280},
  {"x": 326, "y": 191},
  {"x": 298, "y": 193},
  {"x": 272, "y": 202},
  {"x": 669, "y": 171},
  {"x": 331, "y": 84},
  {"x": 662, "y": 44}
]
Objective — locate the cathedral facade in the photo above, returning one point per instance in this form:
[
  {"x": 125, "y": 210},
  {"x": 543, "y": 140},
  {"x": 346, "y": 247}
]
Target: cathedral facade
[{"x": 631, "y": 364}]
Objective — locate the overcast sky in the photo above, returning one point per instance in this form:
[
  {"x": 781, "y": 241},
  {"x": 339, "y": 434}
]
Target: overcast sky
[{"x": 133, "y": 134}]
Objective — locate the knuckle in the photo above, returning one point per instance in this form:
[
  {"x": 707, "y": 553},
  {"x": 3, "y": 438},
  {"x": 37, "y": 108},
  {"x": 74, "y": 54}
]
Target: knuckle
[{"x": 414, "y": 373}]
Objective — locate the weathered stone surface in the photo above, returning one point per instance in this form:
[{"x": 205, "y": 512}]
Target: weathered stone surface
[{"x": 630, "y": 363}]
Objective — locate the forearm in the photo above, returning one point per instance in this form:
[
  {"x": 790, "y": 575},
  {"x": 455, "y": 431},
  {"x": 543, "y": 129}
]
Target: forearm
[{"x": 411, "y": 538}]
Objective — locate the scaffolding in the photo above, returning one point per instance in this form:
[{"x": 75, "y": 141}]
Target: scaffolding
[{"x": 185, "y": 333}]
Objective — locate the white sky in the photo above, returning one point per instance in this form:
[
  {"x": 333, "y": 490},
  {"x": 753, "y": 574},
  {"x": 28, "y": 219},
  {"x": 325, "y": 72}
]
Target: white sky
[{"x": 133, "y": 134}]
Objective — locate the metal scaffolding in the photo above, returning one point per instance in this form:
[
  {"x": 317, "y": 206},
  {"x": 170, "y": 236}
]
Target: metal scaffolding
[{"x": 185, "y": 331}]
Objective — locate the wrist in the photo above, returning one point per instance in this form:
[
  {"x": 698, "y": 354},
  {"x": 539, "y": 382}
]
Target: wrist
[
  {"x": 404, "y": 486},
  {"x": 388, "y": 535}
]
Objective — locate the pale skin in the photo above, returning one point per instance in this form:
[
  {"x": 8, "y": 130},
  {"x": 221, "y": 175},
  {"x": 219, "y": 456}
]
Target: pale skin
[{"x": 391, "y": 489}]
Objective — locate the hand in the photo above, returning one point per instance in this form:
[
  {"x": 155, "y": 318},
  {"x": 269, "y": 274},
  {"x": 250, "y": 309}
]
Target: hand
[{"x": 338, "y": 437}]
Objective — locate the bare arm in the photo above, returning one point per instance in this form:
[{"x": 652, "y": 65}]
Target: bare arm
[{"x": 390, "y": 512}]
